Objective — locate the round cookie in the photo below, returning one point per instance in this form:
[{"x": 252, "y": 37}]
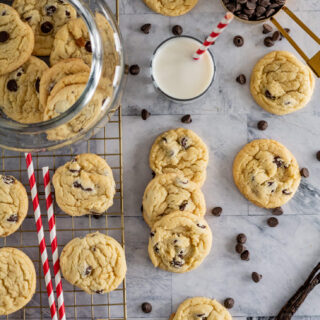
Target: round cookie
[
  {"x": 45, "y": 17},
  {"x": 201, "y": 308},
  {"x": 179, "y": 242},
  {"x": 19, "y": 92},
  {"x": 84, "y": 185},
  {"x": 171, "y": 8},
  {"x": 180, "y": 151},
  {"x": 16, "y": 40},
  {"x": 60, "y": 70},
  {"x": 95, "y": 263},
  {"x": 13, "y": 205},
  {"x": 171, "y": 192},
  {"x": 280, "y": 83},
  {"x": 17, "y": 280},
  {"x": 266, "y": 173}
]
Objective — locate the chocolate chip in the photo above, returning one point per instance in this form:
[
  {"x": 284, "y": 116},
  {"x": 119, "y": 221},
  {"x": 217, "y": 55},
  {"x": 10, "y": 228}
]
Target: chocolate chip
[
  {"x": 241, "y": 79},
  {"x": 51, "y": 10},
  {"x": 186, "y": 119},
  {"x": 318, "y": 155},
  {"x": 146, "y": 28},
  {"x": 272, "y": 222},
  {"x": 229, "y": 303},
  {"x": 12, "y": 85},
  {"x": 153, "y": 174},
  {"x": 238, "y": 41},
  {"x": 46, "y": 27},
  {"x": 304, "y": 172},
  {"x": 145, "y": 114},
  {"x": 37, "y": 84},
  {"x": 134, "y": 69},
  {"x": 278, "y": 161},
  {"x": 88, "y": 46},
  {"x": 176, "y": 263},
  {"x": 251, "y": 4},
  {"x": 242, "y": 238},
  {"x": 156, "y": 248},
  {"x": 183, "y": 205},
  {"x": 278, "y": 211},
  {"x": 269, "y": 95},
  {"x": 216, "y": 211},
  {"x": 88, "y": 271},
  {"x": 68, "y": 14},
  {"x": 141, "y": 208},
  {"x": 270, "y": 12},
  {"x": 266, "y": 28},
  {"x": 260, "y": 11},
  {"x": 245, "y": 255},
  {"x": 239, "y": 248},
  {"x": 80, "y": 42},
  {"x": 286, "y": 192},
  {"x": 177, "y": 30},
  {"x": 275, "y": 36},
  {"x": 13, "y": 218},
  {"x": 27, "y": 19},
  {"x": 96, "y": 216},
  {"x": 184, "y": 142},
  {"x": 99, "y": 291},
  {"x": 264, "y": 3},
  {"x": 262, "y": 125},
  {"x": 243, "y": 16},
  {"x": 76, "y": 184},
  {"x": 4, "y": 36},
  {"x": 201, "y": 226},
  {"x": 146, "y": 307},
  {"x": 8, "y": 179},
  {"x": 256, "y": 277},
  {"x": 152, "y": 234},
  {"x": 268, "y": 42},
  {"x": 3, "y": 13}
]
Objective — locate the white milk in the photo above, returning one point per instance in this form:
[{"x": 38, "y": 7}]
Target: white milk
[{"x": 177, "y": 74}]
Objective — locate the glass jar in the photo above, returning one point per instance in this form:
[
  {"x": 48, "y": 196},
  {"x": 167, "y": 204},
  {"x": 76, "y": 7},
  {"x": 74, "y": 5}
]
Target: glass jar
[{"x": 38, "y": 136}]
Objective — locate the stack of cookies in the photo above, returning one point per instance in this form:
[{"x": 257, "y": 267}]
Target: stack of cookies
[
  {"x": 173, "y": 203},
  {"x": 30, "y": 92}
]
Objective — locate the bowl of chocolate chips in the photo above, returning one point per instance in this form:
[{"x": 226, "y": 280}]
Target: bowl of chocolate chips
[{"x": 253, "y": 10}]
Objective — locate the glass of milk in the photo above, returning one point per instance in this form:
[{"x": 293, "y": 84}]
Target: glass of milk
[{"x": 176, "y": 75}]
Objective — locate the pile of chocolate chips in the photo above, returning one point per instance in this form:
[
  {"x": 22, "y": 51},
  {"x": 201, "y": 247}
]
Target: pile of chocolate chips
[{"x": 254, "y": 10}]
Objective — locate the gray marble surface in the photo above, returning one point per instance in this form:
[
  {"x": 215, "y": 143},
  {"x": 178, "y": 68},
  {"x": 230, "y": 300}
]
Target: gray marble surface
[{"x": 226, "y": 119}]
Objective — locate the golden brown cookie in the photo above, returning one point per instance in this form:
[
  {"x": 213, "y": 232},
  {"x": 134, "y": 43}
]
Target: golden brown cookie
[{"x": 171, "y": 7}]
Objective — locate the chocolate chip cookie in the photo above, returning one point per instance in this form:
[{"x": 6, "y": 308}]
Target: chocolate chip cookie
[
  {"x": 266, "y": 173},
  {"x": 171, "y": 192},
  {"x": 84, "y": 185},
  {"x": 171, "y": 8},
  {"x": 17, "y": 280},
  {"x": 201, "y": 308},
  {"x": 281, "y": 84},
  {"x": 45, "y": 17},
  {"x": 19, "y": 92},
  {"x": 180, "y": 151},
  {"x": 95, "y": 263},
  {"x": 13, "y": 205},
  {"x": 16, "y": 40},
  {"x": 179, "y": 242}
]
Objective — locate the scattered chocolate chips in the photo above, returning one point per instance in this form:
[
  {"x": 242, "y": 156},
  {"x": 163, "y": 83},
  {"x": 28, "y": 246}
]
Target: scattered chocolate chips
[
  {"x": 177, "y": 30},
  {"x": 8, "y": 179},
  {"x": 276, "y": 36},
  {"x": 241, "y": 79},
  {"x": 88, "y": 271},
  {"x": 229, "y": 303},
  {"x": 278, "y": 211},
  {"x": 146, "y": 28},
  {"x": 245, "y": 255},
  {"x": 88, "y": 46},
  {"x": 272, "y": 222},
  {"x": 51, "y": 10},
  {"x": 186, "y": 119},
  {"x": 4, "y": 36},
  {"x": 46, "y": 27},
  {"x": 262, "y": 125},
  {"x": 239, "y": 248},
  {"x": 318, "y": 155},
  {"x": 242, "y": 238},
  {"x": 216, "y": 211},
  {"x": 145, "y": 114},
  {"x": 304, "y": 172},
  {"x": 12, "y": 85},
  {"x": 134, "y": 69},
  {"x": 268, "y": 42},
  {"x": 266, "y": 28},
  {"x": 183, "y": 205},
  {"x": 256, "y": 277},
  {"x": 146, "y": 307},
  {"x": 13, "y": 218},
  {"x": 238, "y": 41},
  {"x": 37, "y": 84}
]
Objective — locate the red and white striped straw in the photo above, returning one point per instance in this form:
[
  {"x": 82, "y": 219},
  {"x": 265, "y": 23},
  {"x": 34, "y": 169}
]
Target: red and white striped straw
[
  {"x": 54, "y": 242},
  {"x": 41, "y": 239},
  {"x": 214, "y": 35}
]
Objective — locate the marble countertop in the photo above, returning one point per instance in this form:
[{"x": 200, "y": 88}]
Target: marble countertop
[{"x": 226, "y": 119}]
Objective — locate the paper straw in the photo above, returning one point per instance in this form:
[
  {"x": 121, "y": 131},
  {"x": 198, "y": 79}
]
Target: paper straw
[
  {"x": 214, "y": 35},
  {"x": 54, "y": 242},
  {"x": 41, "y": 239}
]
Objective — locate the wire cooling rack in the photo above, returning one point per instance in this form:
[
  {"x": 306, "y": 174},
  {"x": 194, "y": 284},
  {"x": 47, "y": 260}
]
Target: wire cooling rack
[{"x": 107, "y": 143}]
